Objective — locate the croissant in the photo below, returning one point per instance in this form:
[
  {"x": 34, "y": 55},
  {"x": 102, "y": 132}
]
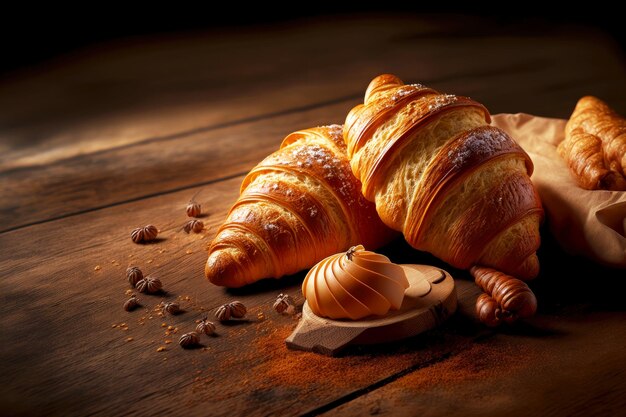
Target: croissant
[
  {"x": 298, "y": 206},
  {"x": 455, "y": 186},
  {"x": 595, "y": 146}
]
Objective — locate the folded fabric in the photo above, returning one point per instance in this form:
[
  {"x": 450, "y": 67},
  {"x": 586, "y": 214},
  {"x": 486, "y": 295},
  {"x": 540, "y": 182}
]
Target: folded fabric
[{"x": 589, "y": 223}]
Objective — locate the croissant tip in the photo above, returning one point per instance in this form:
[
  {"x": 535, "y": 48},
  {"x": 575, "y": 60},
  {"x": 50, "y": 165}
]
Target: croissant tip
[
  {"x": 382, "y": 82},
  {"x": 588, "y": 98},
  {"x": 387, "y": 79},
  {"x": 529, "y": 269},
  {"x": 221, "y": 269}
]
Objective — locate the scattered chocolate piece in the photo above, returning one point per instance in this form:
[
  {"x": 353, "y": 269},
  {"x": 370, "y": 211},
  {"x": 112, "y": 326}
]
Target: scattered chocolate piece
[
  {"x": 237, "y": 309},
  {"x": 193, "y": 225},
  {"x": 134, "y": 274},
  {"x": 189, "y": 340},
  {"x": 149, "y": 285},
  {"x": 144, "y": 234},
  {"x": 282, "y": 303},
  {"x": 131, "y": 304},
  {"x": 172, "y": 307},
  {"x": 223, "y": 313},
  {"x": 193, "y": 209},
  {"x": 205, "y": 327}
]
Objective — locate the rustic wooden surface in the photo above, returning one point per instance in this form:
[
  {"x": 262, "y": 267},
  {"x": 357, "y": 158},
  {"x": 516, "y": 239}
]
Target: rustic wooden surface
[{"x": 97, "y": 143}]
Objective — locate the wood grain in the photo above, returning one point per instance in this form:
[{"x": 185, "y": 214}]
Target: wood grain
[
  {"x": 61, "y": 311},
  {"x": 110, "y": 139},
  {"x": 490, "y": 379},
  {"x": 126, "y": 91},
  {"x": 129, "y": 93},
  {"x": 508, "y": 74},
  {"x": 154, "y": 167}
]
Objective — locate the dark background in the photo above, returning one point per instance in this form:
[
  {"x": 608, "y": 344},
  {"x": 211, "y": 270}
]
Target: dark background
[{"x": 32, "y": 34}]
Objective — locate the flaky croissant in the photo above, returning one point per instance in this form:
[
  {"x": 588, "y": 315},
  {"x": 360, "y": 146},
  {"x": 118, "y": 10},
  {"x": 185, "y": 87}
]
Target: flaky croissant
[
  {"x": 595, "y": 146},
  {"x": 298, "y": 206},
  {"x": 455, "y": 186}
]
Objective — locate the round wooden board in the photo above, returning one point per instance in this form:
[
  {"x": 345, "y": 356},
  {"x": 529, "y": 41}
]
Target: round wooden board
[{"x": 429, "y": 300}]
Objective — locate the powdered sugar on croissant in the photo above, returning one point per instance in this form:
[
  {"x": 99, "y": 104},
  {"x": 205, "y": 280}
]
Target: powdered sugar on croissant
[
  {"x": 455, "y": 186},
  {"x": 298, "y": 206}
]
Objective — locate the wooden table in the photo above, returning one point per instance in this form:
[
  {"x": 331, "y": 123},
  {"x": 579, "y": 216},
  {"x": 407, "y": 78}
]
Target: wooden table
[{"x": 121, "y": 135}]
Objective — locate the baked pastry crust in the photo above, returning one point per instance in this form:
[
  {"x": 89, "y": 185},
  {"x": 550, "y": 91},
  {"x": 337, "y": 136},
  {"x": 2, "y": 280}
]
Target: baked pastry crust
[
  {"x": 455, "y": 186},
  {"x": 595, "y": 146},
  {"x": 299, "y": 205}
]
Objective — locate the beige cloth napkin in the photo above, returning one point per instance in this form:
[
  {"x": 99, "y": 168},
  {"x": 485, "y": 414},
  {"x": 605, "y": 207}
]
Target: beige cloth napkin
[{"x": 589, "y": 223}]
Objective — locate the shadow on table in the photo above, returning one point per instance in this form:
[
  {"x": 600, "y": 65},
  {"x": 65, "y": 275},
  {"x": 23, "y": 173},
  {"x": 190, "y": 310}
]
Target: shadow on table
[
  {"x": 573, "y": 283},
  {"x": 269, "y": 285},
  {"x": 567, "y": 286},
  {"x": 565, "y": 283}
]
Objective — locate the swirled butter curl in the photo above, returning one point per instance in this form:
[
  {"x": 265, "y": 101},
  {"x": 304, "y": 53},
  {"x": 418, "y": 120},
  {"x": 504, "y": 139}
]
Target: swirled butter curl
[{"x": 354, "y": 284}]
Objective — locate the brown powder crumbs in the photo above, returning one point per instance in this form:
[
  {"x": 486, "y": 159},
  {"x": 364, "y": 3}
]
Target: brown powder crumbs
[
  {"x": 267, "y": 363},
  {"x": 446, "y": 358},
  {"x": 296, "y": 369},
  {"x": 482, "y": 360}
]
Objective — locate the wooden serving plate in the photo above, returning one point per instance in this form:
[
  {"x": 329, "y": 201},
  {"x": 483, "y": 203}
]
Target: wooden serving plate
[{"x": 429, "y": 300}]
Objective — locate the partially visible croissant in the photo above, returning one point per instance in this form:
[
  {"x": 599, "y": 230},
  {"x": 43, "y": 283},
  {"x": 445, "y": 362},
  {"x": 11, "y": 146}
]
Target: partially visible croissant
[
  {"x": 595, "y": 146},
  {"x": 298, "y": 206},
  {"x": 455, "y": 186}
]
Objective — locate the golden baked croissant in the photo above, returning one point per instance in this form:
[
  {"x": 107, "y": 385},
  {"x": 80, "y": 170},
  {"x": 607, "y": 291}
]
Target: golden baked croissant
[
  {"x": 298, "y": 206},
  {"x": 455, "y": 186},
  {"x": 595, "y": 146}
]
